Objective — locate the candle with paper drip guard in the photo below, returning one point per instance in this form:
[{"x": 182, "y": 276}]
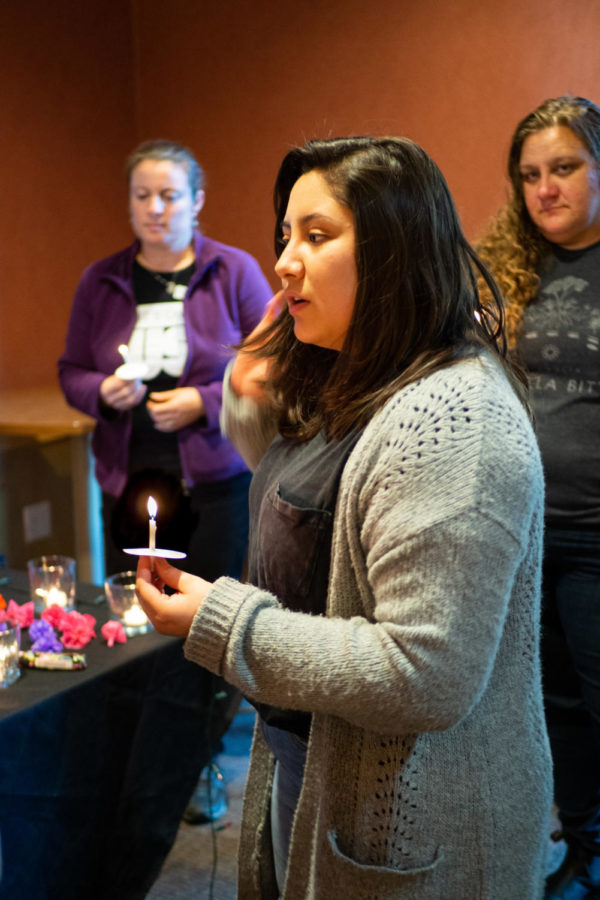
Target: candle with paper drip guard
[
  {"x": 152, "y": 510},
  {"x": 151, "y": 550},
  {"x": 130, "y": 371}
]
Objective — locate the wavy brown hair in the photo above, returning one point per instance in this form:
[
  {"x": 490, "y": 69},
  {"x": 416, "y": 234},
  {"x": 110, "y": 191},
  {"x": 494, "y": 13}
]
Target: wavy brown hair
[
  {"x": 512, "y": 247},
  {"x": 417, "y": 305}
]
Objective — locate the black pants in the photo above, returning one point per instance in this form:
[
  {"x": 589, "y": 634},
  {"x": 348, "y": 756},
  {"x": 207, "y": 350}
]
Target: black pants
[{"x": 571, "y": 667}]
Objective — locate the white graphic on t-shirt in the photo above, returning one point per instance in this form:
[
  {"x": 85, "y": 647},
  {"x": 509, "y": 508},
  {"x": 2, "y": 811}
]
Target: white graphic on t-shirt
[
  {"x": 562, "y": 312},
  {"x": 158, "y": 338},
  {"x": 556, "y": 319}
]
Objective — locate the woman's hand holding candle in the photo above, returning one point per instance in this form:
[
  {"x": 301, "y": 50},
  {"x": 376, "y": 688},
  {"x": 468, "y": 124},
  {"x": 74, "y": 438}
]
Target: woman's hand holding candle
[
  {"x": 121, "y": 394},
  {"x": 170, "y": 614}
]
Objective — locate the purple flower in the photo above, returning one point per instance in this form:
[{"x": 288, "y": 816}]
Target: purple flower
[
  {"x": 44, "y": 637},
  {"x": 39, "y": 628},
  {"x": 48, "y": 643}
]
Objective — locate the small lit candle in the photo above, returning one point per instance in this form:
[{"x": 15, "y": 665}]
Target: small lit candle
[
  {"x": 130, "y": 371},
  {"x": 54, "y": 595},
  {"x": 152, "y": 510},
  {"x": 134, "y": 616}
]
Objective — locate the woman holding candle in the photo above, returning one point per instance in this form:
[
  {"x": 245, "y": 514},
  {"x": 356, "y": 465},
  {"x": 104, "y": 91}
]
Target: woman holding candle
[
  {"x": 544, "y": 249},
  {"x": 389, "y": 631},
  {"x": 175, "y": 299},
  {"x": 172, "y": 302}
]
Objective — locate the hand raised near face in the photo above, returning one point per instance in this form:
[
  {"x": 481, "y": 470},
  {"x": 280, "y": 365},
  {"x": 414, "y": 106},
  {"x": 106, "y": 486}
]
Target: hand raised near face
[{"x": 249, "y": 373}]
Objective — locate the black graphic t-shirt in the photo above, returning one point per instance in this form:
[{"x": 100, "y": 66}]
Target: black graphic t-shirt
[
  {"x": 159, "y": 341},
  {"x": 560, "y": 346}
]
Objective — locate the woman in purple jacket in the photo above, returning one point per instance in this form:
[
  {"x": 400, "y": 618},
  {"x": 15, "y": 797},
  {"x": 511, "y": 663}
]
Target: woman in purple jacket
[{"x": 179, "y": 301}]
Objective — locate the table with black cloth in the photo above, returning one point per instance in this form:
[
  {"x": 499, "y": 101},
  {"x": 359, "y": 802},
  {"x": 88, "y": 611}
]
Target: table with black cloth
[{"x": 97, "y": 765}]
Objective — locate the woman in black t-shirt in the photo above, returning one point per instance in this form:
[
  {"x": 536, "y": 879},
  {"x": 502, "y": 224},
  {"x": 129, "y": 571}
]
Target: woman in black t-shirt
[{"x": 544, "y": 251}]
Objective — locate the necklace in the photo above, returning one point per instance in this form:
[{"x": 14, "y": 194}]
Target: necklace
[{"x": 173, "y": 289}]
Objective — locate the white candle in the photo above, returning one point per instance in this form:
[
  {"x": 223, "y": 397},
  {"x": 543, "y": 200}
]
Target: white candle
[
  {"x": 124, "y": 351},
  {"x": 134, "y": 616},
  {"x": 152, "y": 510},
  {"x": 54, "y": 595}
]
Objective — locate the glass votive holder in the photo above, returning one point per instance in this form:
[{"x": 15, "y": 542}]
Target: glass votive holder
[
  {"x": 124, "y": 605},
  {"x": 10, "y": 644},
  {"x": 52, "y": 580}
]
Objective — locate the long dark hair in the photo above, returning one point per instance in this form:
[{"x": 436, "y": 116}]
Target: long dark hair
[{"x": 417, "y": 306}]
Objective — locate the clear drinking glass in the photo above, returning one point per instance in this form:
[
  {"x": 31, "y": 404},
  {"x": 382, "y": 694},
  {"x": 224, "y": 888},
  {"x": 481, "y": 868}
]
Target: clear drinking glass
[
  {"x": 123, "y": 603},
  {"x": 10, "y": 644},
  {"x": 52, "y": 580}
]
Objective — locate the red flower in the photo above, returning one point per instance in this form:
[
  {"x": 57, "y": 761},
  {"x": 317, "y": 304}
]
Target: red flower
[
  {"x": 77, "y": 630},
  {"x": 54, "y": 615},
  {"x": 20, "y": 615}
]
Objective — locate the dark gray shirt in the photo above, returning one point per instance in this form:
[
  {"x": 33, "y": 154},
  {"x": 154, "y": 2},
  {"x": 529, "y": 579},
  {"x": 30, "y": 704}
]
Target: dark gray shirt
[
  {"x": 292, "y": 502},
  {"x": 560, "y": 346}
]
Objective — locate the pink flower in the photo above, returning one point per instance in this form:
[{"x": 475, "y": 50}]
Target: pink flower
[
  {"x": 20, "y": 615},
  {"x": 54, "y": 615},
  {"x": 113, "y": 631},
  {"x": 77, "y": 630}
]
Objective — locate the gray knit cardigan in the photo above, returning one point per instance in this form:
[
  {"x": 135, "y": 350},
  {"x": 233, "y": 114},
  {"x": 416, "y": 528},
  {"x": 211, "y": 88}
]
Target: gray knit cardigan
[{"x": 428, "y": 772}]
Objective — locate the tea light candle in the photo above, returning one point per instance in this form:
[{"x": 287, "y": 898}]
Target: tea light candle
[
  {"x": 54, "y": 595},
  {"x": 134, "y": 616}
]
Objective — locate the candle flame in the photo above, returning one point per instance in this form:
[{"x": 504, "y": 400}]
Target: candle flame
[
  {"x": 124, "y": 350},
  {"x": 152, "y": 507}
]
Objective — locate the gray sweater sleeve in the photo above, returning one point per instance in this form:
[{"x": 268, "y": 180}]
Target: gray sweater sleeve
[
  {"x": 432, "y": 501},
  {"x": 249, "y": 425}
]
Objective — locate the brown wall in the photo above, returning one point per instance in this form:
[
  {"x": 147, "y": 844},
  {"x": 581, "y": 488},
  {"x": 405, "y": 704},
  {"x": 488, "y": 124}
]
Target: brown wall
[
  {"x": 66, "y": 122},
  {"x": 241, "y": 81}
]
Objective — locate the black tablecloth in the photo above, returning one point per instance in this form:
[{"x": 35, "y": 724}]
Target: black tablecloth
[{"x": 96, "y": 766}]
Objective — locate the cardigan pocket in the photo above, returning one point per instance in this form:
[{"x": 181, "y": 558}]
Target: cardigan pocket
[{"x": 374, "y": 881}]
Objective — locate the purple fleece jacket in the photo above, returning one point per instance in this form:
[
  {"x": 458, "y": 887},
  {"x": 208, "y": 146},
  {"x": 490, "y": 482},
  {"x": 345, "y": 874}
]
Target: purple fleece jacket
[{"x": 225, "y": 300}]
